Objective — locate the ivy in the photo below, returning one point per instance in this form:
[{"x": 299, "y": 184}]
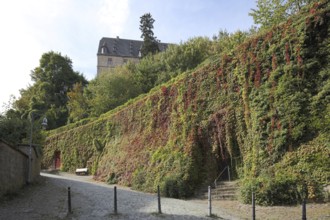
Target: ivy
[{"x": 261, "y": 107}]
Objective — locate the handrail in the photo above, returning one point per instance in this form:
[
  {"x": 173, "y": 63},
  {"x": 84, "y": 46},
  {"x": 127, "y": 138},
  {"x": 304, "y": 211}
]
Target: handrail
[{"x": 215, "y": 181}]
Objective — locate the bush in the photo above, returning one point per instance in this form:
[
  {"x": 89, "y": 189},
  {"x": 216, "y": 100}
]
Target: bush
[
  {"x": 139, "y": 179},
  {"x": 173, "y": 186},
  {"x": 112, "y": 179},
  {"x": 270, "y": 191},
  {"x": 300, "y": 174}
]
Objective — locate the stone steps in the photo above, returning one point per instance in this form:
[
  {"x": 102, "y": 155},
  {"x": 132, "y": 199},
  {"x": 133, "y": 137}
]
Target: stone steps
[{"x": 223, "y": 191}]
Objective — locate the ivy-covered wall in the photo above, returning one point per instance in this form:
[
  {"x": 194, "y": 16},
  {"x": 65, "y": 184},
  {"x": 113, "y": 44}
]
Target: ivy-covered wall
[{"x": 263, "y": 109}]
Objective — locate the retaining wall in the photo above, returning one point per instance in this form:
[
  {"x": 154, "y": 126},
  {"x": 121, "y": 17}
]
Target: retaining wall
[{"x": 14, "y": 167}]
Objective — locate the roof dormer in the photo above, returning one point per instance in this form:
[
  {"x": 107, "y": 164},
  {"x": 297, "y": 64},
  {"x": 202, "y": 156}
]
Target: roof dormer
[{"x": 104, "y": 48}]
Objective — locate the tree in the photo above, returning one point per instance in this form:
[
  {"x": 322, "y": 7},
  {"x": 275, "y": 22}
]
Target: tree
[
  {"x": 150, "y": 42},
  {"x": 12, "y": 127},
  {"x": 156, "y": 69},
  {"x": 273, "y": 12},
  {"x": 56, "y": 76},
  {"x": 186, "y": 56},
  {"x": 148, "y": 70},
  {"x": 53, "y": 78},
  {"x": 77, "y": 103},
  {"x": 112, "y": 89}
]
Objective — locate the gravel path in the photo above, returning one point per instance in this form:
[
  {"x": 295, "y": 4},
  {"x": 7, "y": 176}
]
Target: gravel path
[
  {"x": 47, "y": 200},
  {"x": 94, "y": 200}
]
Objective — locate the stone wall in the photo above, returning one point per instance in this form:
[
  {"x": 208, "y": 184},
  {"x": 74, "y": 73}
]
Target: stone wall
[
  {"x": 103, "y": 63},
  {"x": 14, "y": 167},
  {"x": 35, "y": 160}
]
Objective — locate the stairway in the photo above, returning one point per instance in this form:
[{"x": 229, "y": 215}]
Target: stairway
[{"x": 226, "y": 190}]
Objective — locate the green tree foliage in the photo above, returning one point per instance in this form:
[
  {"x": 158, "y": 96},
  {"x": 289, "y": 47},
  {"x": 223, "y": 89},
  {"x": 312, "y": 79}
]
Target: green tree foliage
[
  {"x": 226, "y": 42},
  {"x": 12, "y": 127},
  {"x": 53, "y": 78},
  {"x": 148, "y": 71},
  {"x": 111, "y": 89},
  {"x": 178, "y": 59},
  {"x": 150, "y": 42},
  {"x": 269, "y": 12},
  {"x": 156, "y": 69},
  {"x": 77, "y": 104},
  {"x": 16, "y": 130},
  {"x": 273, "y": 12}
]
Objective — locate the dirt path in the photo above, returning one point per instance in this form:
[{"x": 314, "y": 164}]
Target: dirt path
[{"x": 93, "y": 200}]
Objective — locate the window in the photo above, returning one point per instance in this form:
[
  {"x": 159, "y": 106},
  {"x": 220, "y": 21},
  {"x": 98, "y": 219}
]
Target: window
[
  {"x": 109, "y": 61},
  {"x": 103, "y": 50}
]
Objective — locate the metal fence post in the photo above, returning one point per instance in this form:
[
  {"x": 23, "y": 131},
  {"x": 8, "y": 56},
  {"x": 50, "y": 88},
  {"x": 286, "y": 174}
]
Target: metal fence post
[
  {"x": 69, "y": 200},
  {"x": 115, "y": 200},
  {"x": 304, "y": 217},
  {"x": 253, "y": 207},
  {"x": 210, "y": 201},
  {"x": 229, "y": 173},
  {"x": 159, "y": 205}
]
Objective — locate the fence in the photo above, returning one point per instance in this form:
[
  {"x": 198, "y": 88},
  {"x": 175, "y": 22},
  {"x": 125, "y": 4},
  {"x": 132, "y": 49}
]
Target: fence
[{"x": 210, "y": 214}]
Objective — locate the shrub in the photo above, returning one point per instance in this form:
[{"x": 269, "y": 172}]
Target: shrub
[
  {"x": 300, "y": 174},
  {"x": 112, "y": 179},
  {"x": 173, "y": 186}
]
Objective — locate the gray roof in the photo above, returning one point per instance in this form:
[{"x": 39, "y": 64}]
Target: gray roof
[{"x": 123, "y": 47}]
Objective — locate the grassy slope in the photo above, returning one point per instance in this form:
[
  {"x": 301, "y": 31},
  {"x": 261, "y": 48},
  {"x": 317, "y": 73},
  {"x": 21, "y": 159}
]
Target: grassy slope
[{"x": 249, "y": 107}]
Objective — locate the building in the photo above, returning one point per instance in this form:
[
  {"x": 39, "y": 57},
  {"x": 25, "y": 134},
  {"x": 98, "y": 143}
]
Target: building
[{"x": 114, "y": 52}]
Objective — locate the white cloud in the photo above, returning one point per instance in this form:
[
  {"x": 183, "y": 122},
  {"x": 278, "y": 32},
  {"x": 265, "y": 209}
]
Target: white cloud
[{"x": 113, "y": 15}]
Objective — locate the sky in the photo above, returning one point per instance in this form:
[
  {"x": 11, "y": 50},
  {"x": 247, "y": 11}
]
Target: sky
[{"x": 30, "y": 28}]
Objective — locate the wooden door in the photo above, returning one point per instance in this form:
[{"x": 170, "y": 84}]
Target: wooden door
[{"x": 57, "y": 160}]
